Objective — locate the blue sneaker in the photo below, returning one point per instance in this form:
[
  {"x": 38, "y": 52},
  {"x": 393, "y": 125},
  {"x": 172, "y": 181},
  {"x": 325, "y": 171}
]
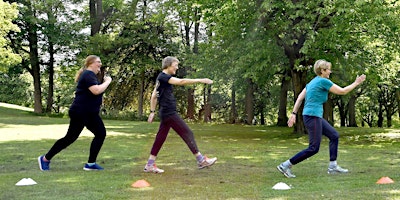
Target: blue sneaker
[
  {"x": 93, "y": 167},
  {"x": 43, "y": 165}
]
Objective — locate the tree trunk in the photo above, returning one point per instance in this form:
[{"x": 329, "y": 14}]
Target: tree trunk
[
  {"x": 398, "y": 97},
  {"x": 190, "y": 111},
  {"x": 249, "y": 101},
  {"x": 380, "y": 115},
  {"x": 282, "y": 113},
  {"x": 233, "y": 113},
  {"x": 96, "y": 16},
  {"x": 190, "y": 107},
  {"x": 298, "y": 79},
  {"x": 51, "y": 78},
  {"x": 207, "y": 106},
  {"x": 328, "y": 111},
  {"x": 50, "y": 66},
  {"x": 141, "y": 94},
  {"x": 342, "y": 112},
  {"x": 34, "y": 59},
  {"x": 389, "y": 118},
  {"x": 351, "y": 107},
  {"x": 262, "y": 117}
]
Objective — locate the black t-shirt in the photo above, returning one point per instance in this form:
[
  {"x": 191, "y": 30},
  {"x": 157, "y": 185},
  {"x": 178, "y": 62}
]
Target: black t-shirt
[
  {"x": 85, "y": 100},
  {"x": 165, "y": 95}
]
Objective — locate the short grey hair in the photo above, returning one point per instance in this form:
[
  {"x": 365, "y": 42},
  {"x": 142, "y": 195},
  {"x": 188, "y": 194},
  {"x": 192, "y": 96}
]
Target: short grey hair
[{"x": 167, "y": 61}]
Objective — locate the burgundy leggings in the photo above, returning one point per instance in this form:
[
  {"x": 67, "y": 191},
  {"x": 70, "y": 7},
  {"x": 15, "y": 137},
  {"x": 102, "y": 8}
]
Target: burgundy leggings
[{"x": 180, "y": 127}]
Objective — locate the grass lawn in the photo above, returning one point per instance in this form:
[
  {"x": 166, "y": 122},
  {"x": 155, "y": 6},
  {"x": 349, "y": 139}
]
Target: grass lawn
[{"x": 246, "y": 166}]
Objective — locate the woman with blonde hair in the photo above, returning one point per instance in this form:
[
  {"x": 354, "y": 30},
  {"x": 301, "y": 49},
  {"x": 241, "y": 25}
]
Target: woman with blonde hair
[
  {"x": 83, "y": 112},
  {"x": 316, "y": 94}
]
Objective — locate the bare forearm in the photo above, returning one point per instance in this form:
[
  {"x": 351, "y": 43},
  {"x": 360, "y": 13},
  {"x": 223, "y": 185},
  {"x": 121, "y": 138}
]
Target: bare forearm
[
  {"x": 299, "y": 101},
  {"x": 350, "y": 87},
  {"x": 98, "y": 89},
  {"x": 297, "y": 105},
  {"x": 153, "y": 103},
  {"x": 188, "y": 81},
  {"x": 342, "y": 91}
]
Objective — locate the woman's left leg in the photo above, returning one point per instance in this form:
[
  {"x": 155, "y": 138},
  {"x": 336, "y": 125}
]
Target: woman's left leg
[
  {"x": 96, "y": 126},
  {"x": 182, "y": 129},
  {"x": 333, "y": 136}
]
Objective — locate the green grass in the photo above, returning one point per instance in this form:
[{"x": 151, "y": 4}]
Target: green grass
[{"x": 246, "y": 166}]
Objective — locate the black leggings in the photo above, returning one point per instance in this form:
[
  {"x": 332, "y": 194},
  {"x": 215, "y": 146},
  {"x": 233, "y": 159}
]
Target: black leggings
[
  {"x": 78, "y": 121},
  {"x": 180, "y": 127}
]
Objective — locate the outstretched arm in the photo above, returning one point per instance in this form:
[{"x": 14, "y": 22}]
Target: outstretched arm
[
  {"x": 187, "y": 81},
  {"x": 342, "y": 91},
  {"x": 299, "y": 101}
]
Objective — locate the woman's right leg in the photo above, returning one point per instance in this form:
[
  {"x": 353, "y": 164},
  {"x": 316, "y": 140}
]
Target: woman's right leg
[
  {"x": 158, "y": 142},
  {"x": 160, "y": 137},
  {"x": 75, "y": 128},
  {"x": 314, "y": 128}
]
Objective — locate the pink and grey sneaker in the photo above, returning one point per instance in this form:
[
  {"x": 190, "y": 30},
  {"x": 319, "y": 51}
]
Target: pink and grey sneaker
[
  {"x": 153, "y": 169},
  {"x": 207, "y": 162}
]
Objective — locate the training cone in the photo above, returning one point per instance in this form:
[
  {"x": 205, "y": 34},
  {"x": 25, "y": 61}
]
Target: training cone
[
  {"x": 141, "y": 184},
  {"x": 385, "y": 180},
  {"x": 26, "y": 181},
  {"x": 281, "y": 186}
]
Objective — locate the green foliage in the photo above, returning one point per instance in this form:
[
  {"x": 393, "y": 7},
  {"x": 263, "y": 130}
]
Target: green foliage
[
  {"x": 260, "y": 41},
  {"x": 15, "y": 89},
  {"x": 8, "y": 12}
]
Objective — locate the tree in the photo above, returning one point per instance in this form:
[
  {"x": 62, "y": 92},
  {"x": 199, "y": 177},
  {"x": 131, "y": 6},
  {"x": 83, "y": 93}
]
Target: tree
[
  {"x": 60, "y": 30},
  {"x": 8, "y": 12},
  {"x": 132, "y": 43}
]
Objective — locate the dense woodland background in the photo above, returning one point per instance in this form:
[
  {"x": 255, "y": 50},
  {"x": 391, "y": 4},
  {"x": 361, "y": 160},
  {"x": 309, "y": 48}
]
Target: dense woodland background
[{"x": 259, "y": 53}]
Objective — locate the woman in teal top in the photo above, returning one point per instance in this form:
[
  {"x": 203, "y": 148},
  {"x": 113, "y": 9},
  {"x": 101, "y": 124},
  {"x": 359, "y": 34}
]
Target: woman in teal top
[{"x": 316, "y": 94}]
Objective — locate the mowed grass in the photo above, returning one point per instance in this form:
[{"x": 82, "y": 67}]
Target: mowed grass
[{"x": 246, "y": 166}]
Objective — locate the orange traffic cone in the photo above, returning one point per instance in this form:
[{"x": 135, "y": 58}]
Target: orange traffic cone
[
  {"x": 385, "y": 180},
  {"x": 140, "y": 184}
]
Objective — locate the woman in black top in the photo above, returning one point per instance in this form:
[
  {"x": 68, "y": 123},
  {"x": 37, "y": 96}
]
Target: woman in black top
[
  {"x": 163, "y": 92},
  {"x": 84, "y": 111}
]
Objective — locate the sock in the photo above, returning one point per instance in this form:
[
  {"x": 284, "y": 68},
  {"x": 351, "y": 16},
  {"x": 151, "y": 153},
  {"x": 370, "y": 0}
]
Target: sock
[
  {"x": 332, "y": 164},
  {"x": 199, "y": 158},
  {"x": 287, "y": 164},
  {"x": 150, "y": 162},
  {"x": 44, "y": 157},
  {"x": 91, "y": 164}
]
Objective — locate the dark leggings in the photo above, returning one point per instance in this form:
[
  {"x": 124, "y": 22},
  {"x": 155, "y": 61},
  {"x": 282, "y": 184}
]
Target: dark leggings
[
  {"x": 317, "y": 127},
  {"x": 180, "y": 127},
  {"x": 78, "y": 121}
]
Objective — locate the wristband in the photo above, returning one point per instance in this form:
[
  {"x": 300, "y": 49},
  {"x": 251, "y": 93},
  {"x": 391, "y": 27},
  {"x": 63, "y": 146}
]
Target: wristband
[
  {"x": 294, "y": 113},
  {"x": 152, "y": 111}
]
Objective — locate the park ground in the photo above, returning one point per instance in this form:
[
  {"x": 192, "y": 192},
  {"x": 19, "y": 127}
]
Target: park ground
[{"x": 246, "y": 166}]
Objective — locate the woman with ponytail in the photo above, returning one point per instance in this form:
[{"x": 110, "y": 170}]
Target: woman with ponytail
[{"x": 84, "y": 112}]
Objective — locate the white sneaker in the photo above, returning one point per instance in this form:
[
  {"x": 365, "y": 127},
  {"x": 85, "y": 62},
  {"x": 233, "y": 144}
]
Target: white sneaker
[
  {"x": 337, "y": 169},
  {"x": 285, "y": 171},
  {"x": 206, "y": 162},
  {"x": 153, "y": 169}
]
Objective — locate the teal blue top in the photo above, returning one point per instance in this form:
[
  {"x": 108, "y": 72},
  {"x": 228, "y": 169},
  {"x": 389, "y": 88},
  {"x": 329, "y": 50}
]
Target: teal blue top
[{"x": 316, "y": 95}]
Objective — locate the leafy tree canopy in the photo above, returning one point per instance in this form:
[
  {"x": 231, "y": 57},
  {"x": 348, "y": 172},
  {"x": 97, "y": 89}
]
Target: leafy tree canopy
[{"x": 8, "y": 12}]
